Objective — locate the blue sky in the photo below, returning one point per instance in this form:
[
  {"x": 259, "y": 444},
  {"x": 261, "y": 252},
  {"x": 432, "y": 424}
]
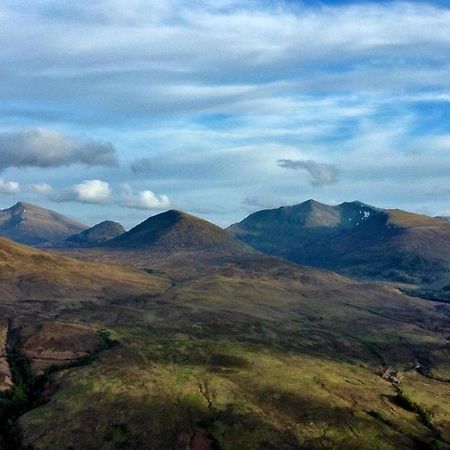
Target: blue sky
[{"x": 114, "y": 109}]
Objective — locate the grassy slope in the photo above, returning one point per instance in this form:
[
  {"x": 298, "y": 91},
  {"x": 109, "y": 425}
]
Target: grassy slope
[
  {"x": 27, "y": 273},
  {"x": 254, "y": 354}
]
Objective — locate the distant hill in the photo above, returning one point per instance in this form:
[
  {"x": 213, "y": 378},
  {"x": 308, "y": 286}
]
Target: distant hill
[
  {"x": 353, "y": 238},
  {"x": 177, "y": 231},
  {"x": 447, "y": 218},
  {"x": 98, "y": 234},
  {"x": 30, "y": 224}
]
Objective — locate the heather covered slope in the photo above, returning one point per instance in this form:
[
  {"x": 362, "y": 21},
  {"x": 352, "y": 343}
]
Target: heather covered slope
[
  {"x": 32, "y": 225},
  {"x": 27, "y": 273},
  {"x": 177, "y": 231},
  {"x": 255, "y": 353},
  {"x": 353, "y": 238}
]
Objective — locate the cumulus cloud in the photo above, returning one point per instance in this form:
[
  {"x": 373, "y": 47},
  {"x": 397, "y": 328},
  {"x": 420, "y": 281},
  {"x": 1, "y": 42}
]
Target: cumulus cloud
[
  {"x": 321, "y": 174},
  {"x": 9, "y": 187},
  {"x": 88, "y": 191},
  {"x": 42, "y": 147},
  {"x": 146, "y": 200},
  {"x": 41, "y": 188}
]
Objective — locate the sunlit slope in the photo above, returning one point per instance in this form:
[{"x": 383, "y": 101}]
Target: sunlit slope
[
  {"x": 253, "y": 352},
  {"x": 27, "y": 273},
  {"x": 33, "y": 225}
]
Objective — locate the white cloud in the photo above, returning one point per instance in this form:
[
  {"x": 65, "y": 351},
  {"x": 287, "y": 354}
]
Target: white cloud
[
  {"x": 88, "y": 191},
  {"x": 41, "y": 188},
  {"x": 9, "y": 187},
  {"x": 146, "y": 200}
]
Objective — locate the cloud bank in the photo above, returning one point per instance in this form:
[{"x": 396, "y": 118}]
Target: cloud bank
[
  {"x": 200, "y": 98},
  {"x": 41, "y": 147}
]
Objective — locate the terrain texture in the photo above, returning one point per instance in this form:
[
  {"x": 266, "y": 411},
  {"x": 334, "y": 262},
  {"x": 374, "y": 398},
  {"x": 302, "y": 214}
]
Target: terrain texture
[{"x": 190, "y": 340}]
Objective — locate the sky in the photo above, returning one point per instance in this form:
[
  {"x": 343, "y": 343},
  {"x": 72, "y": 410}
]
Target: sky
[{"x": 121, "y": 109}]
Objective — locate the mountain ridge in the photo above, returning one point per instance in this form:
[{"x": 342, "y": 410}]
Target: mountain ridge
[{"x": 353, "y": 238}]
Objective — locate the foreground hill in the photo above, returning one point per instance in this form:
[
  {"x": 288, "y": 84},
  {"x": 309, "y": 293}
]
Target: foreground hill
[
  {"x": 246, "y": 351},
  {"x": 30, "y": 274},
  {"x": 174, "y": 231},
  {"x": 96, "y": 235},
  {"x": 32, "y": 225},
  {"x": 353, "y": 238}
]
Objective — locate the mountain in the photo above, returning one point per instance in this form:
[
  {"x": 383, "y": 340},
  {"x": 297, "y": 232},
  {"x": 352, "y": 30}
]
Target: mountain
[
  {"x": 174, "y": 231},
  {"x": 447, "y": 218},
  {"x": 96, "y": 235},
  {"x": 32, "y": 225},
  {"x": 353, "y": 238}
]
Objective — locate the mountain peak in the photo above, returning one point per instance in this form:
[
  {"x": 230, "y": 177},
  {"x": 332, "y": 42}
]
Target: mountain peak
[
  {"x": 20, "y": 206},
  {"x": 33, "y": 225},
  {"x": 96, "y": 235},
  {"x": 175, "y": 230}
]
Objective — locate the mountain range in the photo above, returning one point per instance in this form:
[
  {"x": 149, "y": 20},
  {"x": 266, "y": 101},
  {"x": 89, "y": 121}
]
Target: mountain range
[{"x": 353, "y": 238}]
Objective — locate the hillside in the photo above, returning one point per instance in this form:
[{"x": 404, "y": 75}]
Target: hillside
[
  {"x": 27, "y": 273},
  {"x": 177, "y": 231},
  {"x": 247, "y": 352},
  {"x": 96, "y": 235},
  {"x": 353, "y": 238},
  {"x": 238, "y": 351},
  {"x": 32, "y": 225}
]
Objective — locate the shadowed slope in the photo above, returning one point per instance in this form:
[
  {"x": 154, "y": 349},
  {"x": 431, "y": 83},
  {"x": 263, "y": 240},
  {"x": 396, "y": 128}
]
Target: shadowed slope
[
  {"x": 95, "y": 235},
  {"x": 353, "y": 238},
  {"x": 177, "y": 231}
]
